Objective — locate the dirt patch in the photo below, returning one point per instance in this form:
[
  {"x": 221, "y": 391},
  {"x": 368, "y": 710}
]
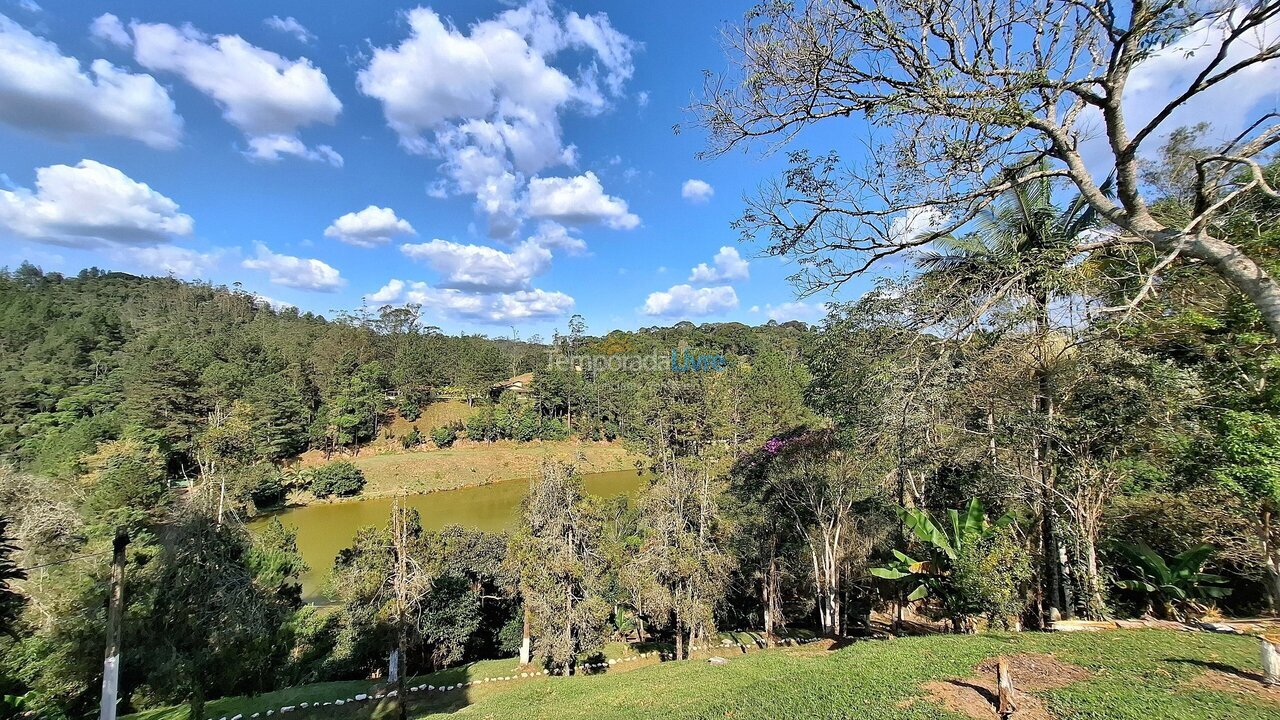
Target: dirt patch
[
  {"x": 977, "y": 699},
  {"x": 1238, "y": 682},
  {"x": 1032, "y": 672},
  {"x": 1036, "y": 672}
]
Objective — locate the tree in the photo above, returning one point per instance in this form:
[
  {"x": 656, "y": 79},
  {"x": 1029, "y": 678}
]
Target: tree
[
  {"x": 340, "y": 478},
  {"x": 683, "y": 548},
  {"x": 949, "y": 104},
  {"x": 557, "y": 558},
  {"x": 11, "y": 601}
]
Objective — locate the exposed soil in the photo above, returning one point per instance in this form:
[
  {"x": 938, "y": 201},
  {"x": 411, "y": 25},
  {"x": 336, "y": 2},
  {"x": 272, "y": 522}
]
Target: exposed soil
[
  {"x": 1032, "y": 672},
  {"x": 1238, "y": 682}
]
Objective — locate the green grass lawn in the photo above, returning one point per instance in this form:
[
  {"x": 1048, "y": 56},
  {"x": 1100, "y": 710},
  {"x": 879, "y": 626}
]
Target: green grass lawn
[{"x": 1145, "y": 674}]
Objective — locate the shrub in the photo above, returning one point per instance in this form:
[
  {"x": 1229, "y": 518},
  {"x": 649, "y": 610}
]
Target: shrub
[
  {"x": 339, "y": 478},
  {"x": 268, "y": 492},
  {"x": 444, "y": 436},
  {"x": 413, "y": 438}
]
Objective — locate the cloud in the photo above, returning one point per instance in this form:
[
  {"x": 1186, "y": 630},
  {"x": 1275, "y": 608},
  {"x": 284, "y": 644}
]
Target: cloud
[
  {"x": 686, "y": 301},
  {"x": 264, "y": 95},
  {"x": 642, "y": 98},
  {"x": 1170, "y": 70},
  {"x": 727, "y": 265},
  {"x": 88, "y": 205},
  {"x": 45, "y": 92},
  {"x": 294, "y": 272},
  {"x": 492, "y": 308},
  {"x": 488, "y": 100},
  {"x": 107, "y": 27},
  {"x": 368, "y": 228},
  {"x": 916, "y": 222},
  {"x": 555, "y": 236},
  {"x": 808, "y": 312},
  {"x": 389, "y": 293},
  {"x": 168, "y": 260},
  {"x": 696, "y": 191},
  {"x": 578, "y": 200},
  {"x": 272, "y": 303},
  {"x": 290, "y": 26},
  {"x": 480, "y": 268},
  {"x": 271, "y": 147}
]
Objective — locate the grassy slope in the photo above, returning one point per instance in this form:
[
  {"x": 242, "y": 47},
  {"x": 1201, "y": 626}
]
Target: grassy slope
[{"x": 1136, "y": 674}]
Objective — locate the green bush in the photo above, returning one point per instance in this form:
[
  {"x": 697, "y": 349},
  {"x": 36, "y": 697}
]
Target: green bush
[
  {"x": 444, "y": 436},
  {"x": 413, "y": 438},
  {"x": 339, "y": 478}
]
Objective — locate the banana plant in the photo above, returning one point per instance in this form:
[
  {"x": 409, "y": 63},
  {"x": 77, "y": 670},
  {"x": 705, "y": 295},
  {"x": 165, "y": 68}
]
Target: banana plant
[
  {"x": 942, "y": 543},
  {"x": 1174, "y": 586}
]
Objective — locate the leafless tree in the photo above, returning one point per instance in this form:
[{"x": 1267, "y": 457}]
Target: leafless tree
[{"x": 965, "y": 99}]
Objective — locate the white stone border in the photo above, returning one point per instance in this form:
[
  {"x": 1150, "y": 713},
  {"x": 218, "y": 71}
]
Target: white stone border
[{"x": 364, "y": 697}]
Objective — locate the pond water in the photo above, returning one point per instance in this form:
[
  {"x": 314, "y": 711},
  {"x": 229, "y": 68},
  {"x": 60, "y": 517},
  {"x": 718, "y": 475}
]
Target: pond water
[{"x": 326, "y": 528}]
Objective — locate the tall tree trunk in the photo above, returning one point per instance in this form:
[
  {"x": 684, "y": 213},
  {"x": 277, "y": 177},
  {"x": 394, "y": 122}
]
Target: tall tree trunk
[
  {"x": 115, "y": 616},
  {"x": 1271, "y": 554},
  {"x": 1042, "y": 469},
  {"x": 679, "y": 635}
]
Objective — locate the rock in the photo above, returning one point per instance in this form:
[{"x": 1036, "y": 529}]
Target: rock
[
  {"x": 524, "y": 675},
  {"x": 431, "y": 687},
  {"x": 304, "y": 706},
  {"x": 393, "y": 693},
  {"x": 287, "y": 709},
  {"x": 717, "y": 660},
  {"x": 339, "y": 702},
  {"x": 255, "y": 715},
  {"x": 270, "y": 713},
  {"x": 361, "y": 697}
]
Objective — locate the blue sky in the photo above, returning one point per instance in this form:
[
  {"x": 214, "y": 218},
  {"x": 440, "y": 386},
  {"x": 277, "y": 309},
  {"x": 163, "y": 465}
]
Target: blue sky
[
  {"x": 589, "y": 172},
  {"x": 504, "y": 164}
]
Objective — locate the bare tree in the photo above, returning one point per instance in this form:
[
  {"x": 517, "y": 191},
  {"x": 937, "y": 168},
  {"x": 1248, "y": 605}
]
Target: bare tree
[{"x": 965, "y": 99}]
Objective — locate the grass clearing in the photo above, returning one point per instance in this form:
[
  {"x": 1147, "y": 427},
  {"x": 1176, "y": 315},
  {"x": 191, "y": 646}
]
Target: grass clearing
[
  {"x": 1131, "y": 674},
  {"x": 467, "y": 464}
]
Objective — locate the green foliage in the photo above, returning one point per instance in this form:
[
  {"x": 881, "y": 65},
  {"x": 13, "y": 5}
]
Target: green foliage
[
  {"x": 411, "y": 439},
  {"x": 340, "y": 478},
  {"x": 1176, "y": 585},
  {"x": 1249, "y": 456},
  {"x": 444, "y": 436},
  {"x": 957, "y": 557}
]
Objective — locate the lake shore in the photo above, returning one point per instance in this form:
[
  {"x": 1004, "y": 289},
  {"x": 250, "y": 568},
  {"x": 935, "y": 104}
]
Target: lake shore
[{"x": 467, "y": 464}]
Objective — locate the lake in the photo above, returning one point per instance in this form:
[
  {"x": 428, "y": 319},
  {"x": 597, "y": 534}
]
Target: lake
[{"x": 326, "y": 528}]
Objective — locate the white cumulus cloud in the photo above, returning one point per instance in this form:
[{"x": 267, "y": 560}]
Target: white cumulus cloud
[
  {"x": 90, "y": 204},
  {"x": 266, "y": 96},
  {"x": 726, "y": 265},
  {"x": 489, "y": 100},
  {"x": 480, "y": 268},
  {"x": 696, "y": 191},
  {"x": 370, "y": 227},
  {"x": 290, "y": 26},
  {"x": 108, "y": 27},
  {"x": 46, "y": 92},
  {"x": 578, "y": 200},
  {"x": 295, "y": 272},
  {"x": 491, "y": 308},
  {"x": 687, "y": 301}
]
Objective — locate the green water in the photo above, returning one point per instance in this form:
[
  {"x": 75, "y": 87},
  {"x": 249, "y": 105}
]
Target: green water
[{"x": 324, "y": 529}]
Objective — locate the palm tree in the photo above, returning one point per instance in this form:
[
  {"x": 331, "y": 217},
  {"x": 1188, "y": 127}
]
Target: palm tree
[{"x": 1020, "y": 252}]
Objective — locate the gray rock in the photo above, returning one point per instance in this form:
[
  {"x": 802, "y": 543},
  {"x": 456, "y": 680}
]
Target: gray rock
[
  {"x": 717, "y": 660},
  {"x": 362, "y": 697}
]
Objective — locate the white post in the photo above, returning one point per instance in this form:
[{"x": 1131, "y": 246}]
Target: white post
[
  {"x": 1270, "y": 659},
  {"x": 115, "y": 614},
  {"x": 393, "y": 667}
]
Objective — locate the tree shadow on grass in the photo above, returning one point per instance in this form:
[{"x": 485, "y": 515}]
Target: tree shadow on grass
[{"x": 1223, "y": 668}]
